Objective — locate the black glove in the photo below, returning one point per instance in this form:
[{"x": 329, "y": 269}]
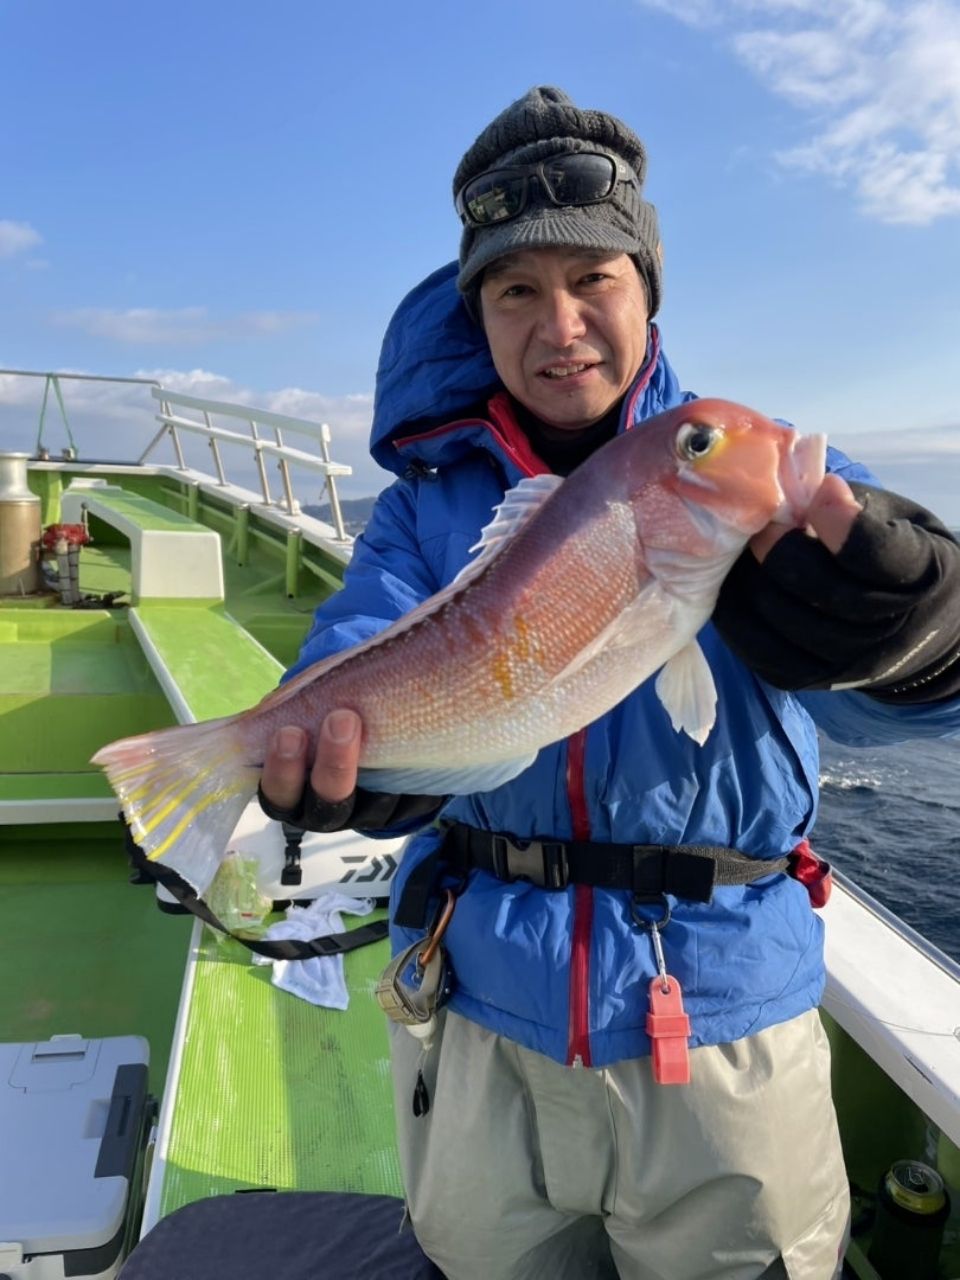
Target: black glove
[
  {"x": 882, "y": 615},
  {"x": 361, "y": 811}
]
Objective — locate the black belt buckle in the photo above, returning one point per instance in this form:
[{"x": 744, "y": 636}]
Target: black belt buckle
[
  {"x": 540, "y": 862},
  {"x": 659, "y": 869},
  {"x": 649, "y": 872}
]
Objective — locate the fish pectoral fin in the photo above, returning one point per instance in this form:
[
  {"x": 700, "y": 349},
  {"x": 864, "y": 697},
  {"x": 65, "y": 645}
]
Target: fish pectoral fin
[
  {"x": 440, "y": 781},
  {"x": 686, "y": 688}
]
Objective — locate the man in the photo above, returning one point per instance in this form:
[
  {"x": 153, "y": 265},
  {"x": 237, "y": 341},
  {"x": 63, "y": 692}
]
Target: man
[{"x": 534, "y": 1138}]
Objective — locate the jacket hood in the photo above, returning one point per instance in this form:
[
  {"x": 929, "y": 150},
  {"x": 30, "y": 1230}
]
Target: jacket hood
[{"x": 434, "y": 364}]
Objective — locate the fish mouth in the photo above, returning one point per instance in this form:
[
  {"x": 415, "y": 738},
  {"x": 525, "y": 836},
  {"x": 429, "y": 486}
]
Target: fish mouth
[{"x": 803, "y": 465}]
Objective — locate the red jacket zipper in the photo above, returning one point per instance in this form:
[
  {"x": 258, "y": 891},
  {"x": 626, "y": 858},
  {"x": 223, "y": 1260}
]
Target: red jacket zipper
[
  {"x": 578, "y": 1031},
  {"x": 502, "y": 425}
]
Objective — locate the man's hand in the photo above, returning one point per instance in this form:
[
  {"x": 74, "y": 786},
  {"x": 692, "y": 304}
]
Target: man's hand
[
  {"x": 333, "y": 774},
  {"x": 329, "y": 799},
  {"x": 325, "y": 801},
  {"x": 868, "y": 597},
  {"x": 830, "y": 518}
]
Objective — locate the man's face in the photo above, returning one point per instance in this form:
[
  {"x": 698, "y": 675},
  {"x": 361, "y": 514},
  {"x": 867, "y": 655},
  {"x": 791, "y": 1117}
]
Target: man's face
[{"x": 567, "y": 330}]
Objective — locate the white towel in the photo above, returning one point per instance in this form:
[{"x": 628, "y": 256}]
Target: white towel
[{"x": 319, "y": 979}]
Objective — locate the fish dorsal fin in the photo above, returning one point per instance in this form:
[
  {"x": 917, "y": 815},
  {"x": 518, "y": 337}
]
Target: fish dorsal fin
[{"x": 520, "y": 504}]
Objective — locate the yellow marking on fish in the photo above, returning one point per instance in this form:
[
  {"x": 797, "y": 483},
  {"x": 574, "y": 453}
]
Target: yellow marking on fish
[
  {"x": 718, "y": 446},
  {"x": 502, "y": 673},
  {"x": 192, "y": 813},
  {"x": 146, "y": 798},
  {"x": 519, "y": 647},
  {"x": 156, "y": 796},
  {"x": 173, "y": 804},
  {"x": 129, "y": 774},
  {"x": 528, "y": 645},
  {"x": 147, "y": 789},
  {"x": 149, "y": 773},
  {"x": 144, "y": 785},
  {"x": 155, "y": 799}
]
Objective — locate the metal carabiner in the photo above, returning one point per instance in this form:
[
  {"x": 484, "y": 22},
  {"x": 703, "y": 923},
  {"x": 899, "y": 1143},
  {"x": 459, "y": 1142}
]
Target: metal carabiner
[
  {"x": 444, "y": 917},
  {"x": 654, "y": 928}
]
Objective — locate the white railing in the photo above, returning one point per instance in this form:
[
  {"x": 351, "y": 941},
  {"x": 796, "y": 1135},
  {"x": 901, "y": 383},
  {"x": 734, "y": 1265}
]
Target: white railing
[
  {"x": 51, "y": 382},
  {"x": 173, "y": 422}
]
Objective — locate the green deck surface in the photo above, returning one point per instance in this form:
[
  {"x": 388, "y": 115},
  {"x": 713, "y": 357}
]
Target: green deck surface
[
  {"x": 278, "y": 621},
  {"x": 38, "y": 668},
  {"x": 105, "y": 568},
  {"x": 144, "y": 512},
  {"x": 82, "y": 949},
  {"x": 70, "y": 682},
  {"x": 54, "y": 786},
  {"x": 217, "y": 667},
  {"x": 275, "y": 1092}
]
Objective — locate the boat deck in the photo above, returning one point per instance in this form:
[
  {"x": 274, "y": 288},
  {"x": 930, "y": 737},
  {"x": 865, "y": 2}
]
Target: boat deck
[
  {"x": 271, "y": 1091},
  {"x": 75, "y": 930},
  {"x": 72, "y": 679}
]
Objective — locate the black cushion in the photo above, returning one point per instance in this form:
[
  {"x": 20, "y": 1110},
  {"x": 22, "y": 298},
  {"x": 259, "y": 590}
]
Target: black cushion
[{"x": 293, "y": 1235}]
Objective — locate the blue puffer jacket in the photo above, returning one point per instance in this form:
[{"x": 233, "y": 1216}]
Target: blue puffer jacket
[{"x": 566, "y": 972}]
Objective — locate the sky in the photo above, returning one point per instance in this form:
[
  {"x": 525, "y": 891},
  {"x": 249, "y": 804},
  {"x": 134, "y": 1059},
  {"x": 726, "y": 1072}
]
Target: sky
[{"x": 233, "y": 197}]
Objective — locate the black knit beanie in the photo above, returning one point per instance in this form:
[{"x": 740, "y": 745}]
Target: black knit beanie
[{"x": 545, "y": 122}]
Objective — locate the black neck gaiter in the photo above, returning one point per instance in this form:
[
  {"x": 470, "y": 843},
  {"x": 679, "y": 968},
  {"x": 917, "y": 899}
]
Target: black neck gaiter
[{"x": 564, "y": 450}]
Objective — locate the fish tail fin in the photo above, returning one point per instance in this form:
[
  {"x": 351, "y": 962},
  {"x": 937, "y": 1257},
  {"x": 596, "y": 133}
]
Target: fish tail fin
[{"x": 182, "y": 791}]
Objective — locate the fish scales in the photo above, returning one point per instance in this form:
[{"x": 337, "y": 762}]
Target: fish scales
[{"x": 463, "y": 679}]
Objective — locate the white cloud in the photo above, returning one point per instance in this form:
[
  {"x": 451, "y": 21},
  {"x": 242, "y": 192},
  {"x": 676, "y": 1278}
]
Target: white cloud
[
  {"x": 116, "y": 420},
  {"x": 921, "y": 462},
  {"x": 879, "y": 83},
  {"x": 179, "y": 325},
  {"x": 15, "y": 237},
  {"x": 919, "y": 444}
]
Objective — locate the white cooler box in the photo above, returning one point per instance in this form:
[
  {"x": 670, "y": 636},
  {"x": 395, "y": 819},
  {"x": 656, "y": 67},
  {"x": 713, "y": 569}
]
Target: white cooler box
[{"x": 74, "y": 1121}]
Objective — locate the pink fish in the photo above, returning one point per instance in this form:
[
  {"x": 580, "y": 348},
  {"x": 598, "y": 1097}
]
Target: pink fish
[{"x": 580, "y": 590}]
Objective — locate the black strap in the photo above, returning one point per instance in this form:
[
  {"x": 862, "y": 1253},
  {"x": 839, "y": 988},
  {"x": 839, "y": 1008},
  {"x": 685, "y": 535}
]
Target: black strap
[
  {"x": 646, "y": 870},
  {"x": 421, "y": 885},
  {"x": 332, "y": 944}
]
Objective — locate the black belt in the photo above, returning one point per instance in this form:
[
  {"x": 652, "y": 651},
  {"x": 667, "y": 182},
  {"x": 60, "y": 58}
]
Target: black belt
[{"x": 647, "y": 870}]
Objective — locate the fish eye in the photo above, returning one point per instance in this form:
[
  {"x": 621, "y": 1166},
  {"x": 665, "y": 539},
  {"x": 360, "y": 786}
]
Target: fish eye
[{"x": 695, "y": 440}]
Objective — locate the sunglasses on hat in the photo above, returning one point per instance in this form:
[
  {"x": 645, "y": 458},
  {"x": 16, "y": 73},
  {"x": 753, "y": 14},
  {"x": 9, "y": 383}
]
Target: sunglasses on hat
[{"x": 570, "y": 179}]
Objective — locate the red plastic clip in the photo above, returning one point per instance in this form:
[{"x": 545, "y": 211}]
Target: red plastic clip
[
  {"x": 812, "y": 872},
  {"x": 669, "y": 1029}
]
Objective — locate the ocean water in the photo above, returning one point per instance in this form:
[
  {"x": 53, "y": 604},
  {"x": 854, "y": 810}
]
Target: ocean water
[{"x": 890, "y": 820}]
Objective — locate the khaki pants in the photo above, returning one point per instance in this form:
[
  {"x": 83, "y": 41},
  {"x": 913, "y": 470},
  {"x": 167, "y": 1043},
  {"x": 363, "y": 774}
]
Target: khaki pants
[{"x": 524, "y": 1169}]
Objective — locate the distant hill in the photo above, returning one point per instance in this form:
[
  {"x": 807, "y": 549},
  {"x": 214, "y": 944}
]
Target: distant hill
[{"x": 356, "y": 513}]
